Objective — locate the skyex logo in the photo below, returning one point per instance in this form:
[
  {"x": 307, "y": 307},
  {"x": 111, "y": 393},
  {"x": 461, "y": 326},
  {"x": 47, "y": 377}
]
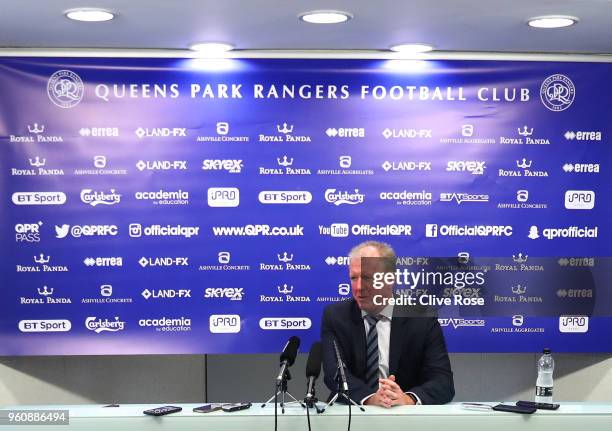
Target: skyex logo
[
  {"x": 344, "y": 197},
  {"x": 38, "y": 198},
  {"x": 224, "y": 323},
  {"x": 435, "y": 230},
  {"x": 223, "y": 197},
  {"x": 280, "y": 323},
  {"x": 85, "y": 230},
  {"x": 568, "y": 232},
  {"x": 99, "y": 325},
  {"x": 95, "y": 198},
  {"x": 574, "y": 324},
  {"x": 284, "y": 197},
  {"x": 233, "y": 166},
  {"x": 579, "y": 199},
  {"x": 160, "y": 132},
  {"x": 136, "y": 230},
  {"x": 475, "y": 167},
  {"x": 162, "y": 165},
  {"x": 65, "y": 89},
  {"x": 230, "y": 293}
]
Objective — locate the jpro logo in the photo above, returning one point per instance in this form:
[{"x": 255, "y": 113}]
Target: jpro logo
[
  {"x": 228, "y": 197},
  {"x": 224, "y": 323},
  {"x": 574, "y": 324},
  {"x": 579, "y": 200}
]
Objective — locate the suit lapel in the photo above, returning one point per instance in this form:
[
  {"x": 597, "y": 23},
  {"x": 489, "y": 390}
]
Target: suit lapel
[
  {"x": 397, "y": 341},
  {"x": 359, "y": 339}
]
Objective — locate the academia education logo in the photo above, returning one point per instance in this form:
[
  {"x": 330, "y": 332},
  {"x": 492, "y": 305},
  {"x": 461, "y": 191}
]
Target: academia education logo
[
  {"x": 167, "y": 324},
  {"x": 557, "y": 92},
  {"x": 65, "y": 89},
  {"x": 224, "y": 323}
]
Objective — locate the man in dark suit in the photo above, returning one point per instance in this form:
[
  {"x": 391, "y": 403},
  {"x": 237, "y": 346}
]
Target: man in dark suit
[{"x": 391, "y": 359}]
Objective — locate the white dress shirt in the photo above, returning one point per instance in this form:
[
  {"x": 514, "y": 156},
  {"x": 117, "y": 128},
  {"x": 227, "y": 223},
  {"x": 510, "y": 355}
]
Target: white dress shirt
[{"x": 383, "y": 328}]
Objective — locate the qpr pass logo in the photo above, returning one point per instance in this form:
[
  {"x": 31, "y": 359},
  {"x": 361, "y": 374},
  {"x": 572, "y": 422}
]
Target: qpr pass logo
[
  {"x": 65, "y": 89},
  {"x": 557, "y": 92}
]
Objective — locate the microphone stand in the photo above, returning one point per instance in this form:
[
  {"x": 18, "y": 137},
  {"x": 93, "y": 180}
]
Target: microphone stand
[
  {"x": 341, "y": 390},
  {"x": 281, "y": 389},
  {"x": 311, "y": 402}
]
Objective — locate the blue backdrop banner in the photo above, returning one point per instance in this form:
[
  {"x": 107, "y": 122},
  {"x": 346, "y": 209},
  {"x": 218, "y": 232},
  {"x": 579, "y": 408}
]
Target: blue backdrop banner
[{"x": 191, "y": 206}]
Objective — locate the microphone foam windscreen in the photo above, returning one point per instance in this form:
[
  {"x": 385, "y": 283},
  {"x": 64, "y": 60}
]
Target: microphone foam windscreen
[
  {"x": 313, "y": 365},
  {"x": 290, "y": 351}
]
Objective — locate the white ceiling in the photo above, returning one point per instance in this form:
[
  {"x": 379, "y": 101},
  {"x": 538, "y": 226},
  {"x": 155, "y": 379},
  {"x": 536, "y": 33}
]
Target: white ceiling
[{"x": 450, "y": 25}]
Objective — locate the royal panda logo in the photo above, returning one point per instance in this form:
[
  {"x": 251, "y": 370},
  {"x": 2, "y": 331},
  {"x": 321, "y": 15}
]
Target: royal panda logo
[
  {"x": 337, "y": 197},
  {"x": 99, "y": 325},
  {"x": 574, "y": 324},
  {"x": 474, "y": 167},
  {"x": 38, "y": 198},
  {"x": 224, "y": 323},
  {"x": 65, "y": 89},
  {"x": 579, "y": 199},
  {"x": 285, "y": 134},
  {"x": 95, "y": 198}
]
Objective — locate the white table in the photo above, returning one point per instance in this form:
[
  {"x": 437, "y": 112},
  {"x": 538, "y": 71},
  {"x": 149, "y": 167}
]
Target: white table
[{"x": 451, "y": 417}]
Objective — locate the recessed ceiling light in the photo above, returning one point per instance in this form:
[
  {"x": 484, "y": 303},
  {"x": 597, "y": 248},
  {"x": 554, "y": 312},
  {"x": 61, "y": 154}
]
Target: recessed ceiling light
[
  {"x": 552, "y": 21},
  {"x": 325, "y": 17},
  {"x": 411, "y": 48},
  {"x": 211, "y": 49},
  {"x": 89, "y": 15}
]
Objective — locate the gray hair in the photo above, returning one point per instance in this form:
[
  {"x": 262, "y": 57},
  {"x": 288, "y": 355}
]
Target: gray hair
[{"x": 384, "y": 249}]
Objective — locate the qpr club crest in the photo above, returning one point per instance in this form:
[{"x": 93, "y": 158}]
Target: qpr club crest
[
  {"x": 65, "y": 89},
  {"x": 557, "y": 92}
]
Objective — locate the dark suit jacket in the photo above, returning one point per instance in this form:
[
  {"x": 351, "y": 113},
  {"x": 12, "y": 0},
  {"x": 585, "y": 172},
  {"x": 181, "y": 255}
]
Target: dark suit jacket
[{"x": 417, "y": 353}]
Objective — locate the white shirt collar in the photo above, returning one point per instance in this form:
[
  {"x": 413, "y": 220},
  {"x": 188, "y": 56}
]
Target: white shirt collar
[{"x": 385, "y": 312}]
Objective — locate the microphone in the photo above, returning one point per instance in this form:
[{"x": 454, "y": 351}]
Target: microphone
[
  {"x": 340, "y": 367},
  {"x": 313, "y": 369},
  {"x": 287, "y": 357}
]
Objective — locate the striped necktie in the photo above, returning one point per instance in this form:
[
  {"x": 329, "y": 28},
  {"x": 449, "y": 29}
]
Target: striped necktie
[{"x": 372, "y": 372}]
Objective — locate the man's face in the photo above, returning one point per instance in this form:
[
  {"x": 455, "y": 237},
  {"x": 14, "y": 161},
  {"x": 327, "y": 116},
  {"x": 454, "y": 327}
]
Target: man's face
[{"x": 361, "y": 272}]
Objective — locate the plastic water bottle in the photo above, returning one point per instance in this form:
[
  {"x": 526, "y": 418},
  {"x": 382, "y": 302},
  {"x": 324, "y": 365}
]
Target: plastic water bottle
[{"x": 544, "y": 384}]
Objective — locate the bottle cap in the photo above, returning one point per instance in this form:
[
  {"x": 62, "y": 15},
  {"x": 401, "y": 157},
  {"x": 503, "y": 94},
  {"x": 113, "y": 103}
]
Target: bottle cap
[{"x": 547, "y": 351}]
